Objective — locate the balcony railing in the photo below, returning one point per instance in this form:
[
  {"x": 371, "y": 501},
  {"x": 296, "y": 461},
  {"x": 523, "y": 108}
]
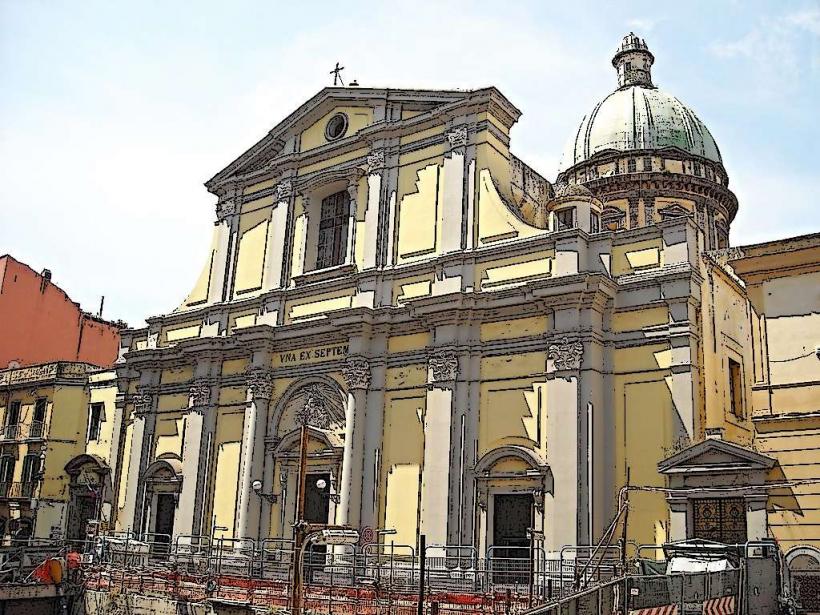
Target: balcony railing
[
  {"x": 23, "y": 431},
  {"x": 18, "y": 490}
]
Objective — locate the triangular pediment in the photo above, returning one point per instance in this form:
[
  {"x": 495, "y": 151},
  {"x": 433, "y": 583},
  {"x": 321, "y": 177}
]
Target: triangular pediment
[
  {"x": 712, "y": 455},
  {"x": 365, "y": 106}
]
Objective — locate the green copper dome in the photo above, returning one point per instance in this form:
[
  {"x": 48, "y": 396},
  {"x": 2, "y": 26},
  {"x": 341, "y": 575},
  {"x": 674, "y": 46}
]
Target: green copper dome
[{"x": 638, "y": 116}]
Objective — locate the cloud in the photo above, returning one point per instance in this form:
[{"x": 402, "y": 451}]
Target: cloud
[
  {"x": 778, "y": 48},
  {"x": 642, "y": 25}
]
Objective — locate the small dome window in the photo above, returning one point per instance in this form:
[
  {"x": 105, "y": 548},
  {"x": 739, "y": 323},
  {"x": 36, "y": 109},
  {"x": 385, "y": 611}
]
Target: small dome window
[{"x": 336, "y": 127}]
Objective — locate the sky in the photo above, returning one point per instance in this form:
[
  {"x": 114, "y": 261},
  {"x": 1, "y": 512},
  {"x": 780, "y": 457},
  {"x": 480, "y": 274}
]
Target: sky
[{"x": 113, "y": 114}]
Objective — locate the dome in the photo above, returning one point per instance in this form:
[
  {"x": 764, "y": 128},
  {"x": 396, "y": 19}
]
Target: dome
[
  {"x": 638, "y": 116},
  {"x": 573, "y": 190}
]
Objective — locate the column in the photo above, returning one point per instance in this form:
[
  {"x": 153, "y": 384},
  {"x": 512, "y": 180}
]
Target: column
[
  {"x": 142, "y": 429},
  {"x": 190, "y": 497},
  {"x": 453, "y": 191},
  {"x": 357, "y": 377},
  {"x": 277, "y": 230},
  {"x": 252, "y": 454},
  {"x": 353, "y": 191},
  {"x": 375, "y": 165},
  {"x": 566, "y": 453},
  {"x": 442, "y": 370},
  {"x": 373, "y": 435}
]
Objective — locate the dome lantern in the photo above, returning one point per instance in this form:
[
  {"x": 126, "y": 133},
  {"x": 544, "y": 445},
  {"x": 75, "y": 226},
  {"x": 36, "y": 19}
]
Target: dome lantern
[{"x": 633, "y": 61}]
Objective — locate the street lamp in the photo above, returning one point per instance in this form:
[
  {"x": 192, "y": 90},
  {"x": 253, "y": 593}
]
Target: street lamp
[
  {"x": 321, "y": 484},
  {"x": 257, "y": 489}
]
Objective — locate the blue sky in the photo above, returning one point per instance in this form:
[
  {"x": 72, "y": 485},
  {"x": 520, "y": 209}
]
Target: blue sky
[{"x": 113, "y": 114}]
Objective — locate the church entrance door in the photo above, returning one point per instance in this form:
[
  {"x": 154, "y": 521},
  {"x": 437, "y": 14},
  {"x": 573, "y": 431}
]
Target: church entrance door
[
  {"x": 512, "y": 516},
  {"x": 164, "y": 524},
  {"x": 317, "y": 509}
]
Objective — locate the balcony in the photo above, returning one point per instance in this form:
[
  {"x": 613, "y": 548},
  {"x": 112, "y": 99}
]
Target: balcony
[
  {"x": 18, "y": 490},
  {"x": 23, "y": 431}
]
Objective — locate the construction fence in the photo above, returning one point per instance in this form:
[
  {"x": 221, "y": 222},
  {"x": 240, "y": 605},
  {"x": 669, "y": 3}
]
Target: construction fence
[{"x": 379, "y": 579}]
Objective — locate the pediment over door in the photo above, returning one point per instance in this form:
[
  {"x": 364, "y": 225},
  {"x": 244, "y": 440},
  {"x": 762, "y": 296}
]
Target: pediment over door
[{"x": 715, "y": 456}]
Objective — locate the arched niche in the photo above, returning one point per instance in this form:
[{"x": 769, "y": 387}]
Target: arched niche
[
  {"x": 90, "y": 495},
  {"x": 163, "y": 483},
  {"x": 513, "y": 483},
  {"x": 320, "y": 402}
]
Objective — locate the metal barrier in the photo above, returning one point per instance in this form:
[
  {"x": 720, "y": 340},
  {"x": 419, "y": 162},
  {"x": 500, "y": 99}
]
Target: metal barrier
[{"x": 377, "y": 578}]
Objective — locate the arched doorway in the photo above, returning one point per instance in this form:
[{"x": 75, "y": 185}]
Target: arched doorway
[
  {"x": 513, "y": 484},
  {"x": 320, "y": 404},
  {"x": 89, "y": 504},
  {"x": 804, "y": 566},
  {"x": 163, "y": 483}
]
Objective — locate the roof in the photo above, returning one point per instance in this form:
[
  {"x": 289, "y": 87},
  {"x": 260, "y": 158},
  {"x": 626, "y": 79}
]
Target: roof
[
  {"x": 637, "y": 118},
  {"x": 272, "y": 144}
]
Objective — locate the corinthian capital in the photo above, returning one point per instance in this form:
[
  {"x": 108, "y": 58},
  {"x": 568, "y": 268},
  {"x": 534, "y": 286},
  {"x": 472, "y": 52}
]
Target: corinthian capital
[
  {"x": 284, "y": 190},
  {"x": 356, "y": 373},
  {"x": 443, "y": 366},
  {"x": 199, "y": 394},
  {"x": 566, "y": 354},
  {"x": 260, "y": 383},
  {"x": 375, "y": 161},
  {"x": 142, "y": 403},
  {"x": 457, "y": 137}
]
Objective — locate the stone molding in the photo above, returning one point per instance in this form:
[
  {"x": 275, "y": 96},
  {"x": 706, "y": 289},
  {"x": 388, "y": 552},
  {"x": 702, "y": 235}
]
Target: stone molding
[
  {"x": 225, "y": 209},
  {"x": 375, "y": 161},
  {"x": 566, "y": 354},
  {"x": 142, "y": 403},
  {"x": 199, "y": 394},
  {"x": 260, "y": 383},
  {"x": 457, "y": 137},
  {"x": 443, "y": 366},
  {"x": 314, "y": 412},
  {"x": 284, "y": 190},
  {"x": 356, "y": 373}
]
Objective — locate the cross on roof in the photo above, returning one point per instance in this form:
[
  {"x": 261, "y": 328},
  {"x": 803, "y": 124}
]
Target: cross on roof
[{"x": 337, "y": 74}]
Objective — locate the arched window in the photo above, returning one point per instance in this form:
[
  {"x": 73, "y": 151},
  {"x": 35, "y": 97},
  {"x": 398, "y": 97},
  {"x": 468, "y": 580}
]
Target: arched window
[{"x": 333, "y": 222}]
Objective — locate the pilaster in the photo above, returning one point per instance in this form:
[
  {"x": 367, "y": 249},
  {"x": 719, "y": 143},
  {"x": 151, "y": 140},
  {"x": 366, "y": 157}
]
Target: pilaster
[
  {"x": 442, "y": 372},
  {"x": 566, "y": 450},
  {"x": 277, "y": 231},
  {"x": 356, "y": 373},
  {"x": 259, "y": 380}
]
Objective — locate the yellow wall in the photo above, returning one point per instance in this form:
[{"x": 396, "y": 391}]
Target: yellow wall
[
  {"x": 401, "y": 467},
  {"x": 357, "y": 118}
]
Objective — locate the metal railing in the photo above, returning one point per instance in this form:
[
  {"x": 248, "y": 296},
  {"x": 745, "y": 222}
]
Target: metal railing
[
  {"x": 34, "y": 430},
  {"x": 377, "y": 578},
  {"x": 18, "y": 490}
]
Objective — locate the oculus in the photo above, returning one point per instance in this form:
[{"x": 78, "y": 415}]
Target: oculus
[{"x": 336, "y": 127}]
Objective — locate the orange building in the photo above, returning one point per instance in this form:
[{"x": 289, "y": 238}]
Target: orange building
[{"x": 39, "y": 323}]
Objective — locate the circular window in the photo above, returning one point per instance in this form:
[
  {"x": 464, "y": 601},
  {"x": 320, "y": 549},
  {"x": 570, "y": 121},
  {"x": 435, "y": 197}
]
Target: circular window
[{"x": 336, "y": 127}]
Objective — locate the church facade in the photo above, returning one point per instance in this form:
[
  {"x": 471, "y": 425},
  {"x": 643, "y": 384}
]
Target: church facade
[{"x": 475, "y": 350}]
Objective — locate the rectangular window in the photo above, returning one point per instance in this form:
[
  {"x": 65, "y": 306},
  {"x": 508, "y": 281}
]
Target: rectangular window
[
  {"x": 632, "y": 165},
  {"x": 735, "y": 389},
  {"x": 333, "y": 230},
  {"x": 697, "y": 169},
  {"x": 720, "y": 519},
  {"x": 11, "y": 427},
  {"x": 565, "y": 218},
  {"x": 39, "y": 418},
  {"x": 28, "y": 477},
  {"x": 594, "y": 222},
  {"x": 95, "y": 416},
  {"x": 6, "y": 474},
  {"x": 647, "y": 163}
]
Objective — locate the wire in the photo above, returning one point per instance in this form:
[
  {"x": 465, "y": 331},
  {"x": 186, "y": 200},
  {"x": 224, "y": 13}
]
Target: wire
[{"x": 802, "y": 356}]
